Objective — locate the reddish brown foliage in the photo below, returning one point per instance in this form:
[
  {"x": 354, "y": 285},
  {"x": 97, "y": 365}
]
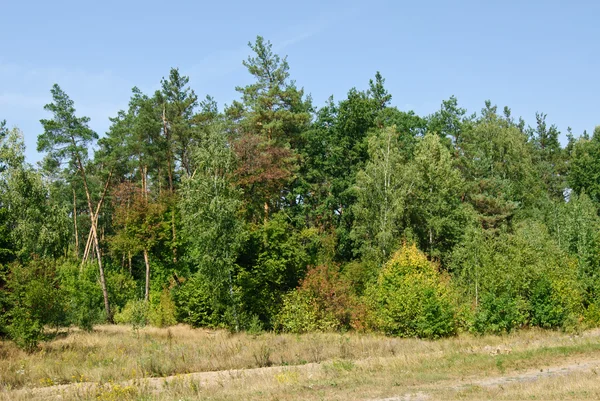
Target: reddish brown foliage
[
  {"x": 263, "y": 168},
  {"x": 333, "y": 294}
]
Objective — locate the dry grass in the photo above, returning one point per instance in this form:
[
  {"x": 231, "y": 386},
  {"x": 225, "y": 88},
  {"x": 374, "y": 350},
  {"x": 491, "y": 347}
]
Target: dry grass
[{"x": 113, "y": 362}]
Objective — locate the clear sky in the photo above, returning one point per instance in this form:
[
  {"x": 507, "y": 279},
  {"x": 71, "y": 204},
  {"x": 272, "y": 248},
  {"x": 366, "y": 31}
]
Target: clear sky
[{"x": 529, "y": 55}]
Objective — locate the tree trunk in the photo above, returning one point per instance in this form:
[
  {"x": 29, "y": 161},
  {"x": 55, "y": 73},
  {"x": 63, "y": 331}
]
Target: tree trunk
[
  {"x": 147, "y": 292},
  {"x": 89, "y": 239},
  {"x": 266, "y": 206},
  {"x": 94, "y": 221},
  {"x": 75, "y": 224},
  {"x": 86, "y": 252}
]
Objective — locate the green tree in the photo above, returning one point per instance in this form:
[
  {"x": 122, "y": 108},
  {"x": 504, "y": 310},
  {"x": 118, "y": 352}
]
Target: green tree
[
  {"x": 549, "y": 157},
  {"x": 267, "y": 127},
  {"x": 140, "y": 225},
  {"x": 584, "y": 166},
  {"x": 67, "y": 137},
  {"x": 382, "y": 193},
  {"x": 35, "y": 226},
  {"x": 497, "y": 163},
  {"x": 435, "y": 209},
  {"x": 178, "y": 103},
  {"x": 210, "y": 208}
]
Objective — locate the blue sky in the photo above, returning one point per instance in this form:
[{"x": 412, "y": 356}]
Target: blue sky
[{"x": 529, "y": 55}]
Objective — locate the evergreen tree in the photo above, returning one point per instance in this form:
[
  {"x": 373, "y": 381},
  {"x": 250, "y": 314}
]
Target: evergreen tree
[{"x": 67, "y": 137}]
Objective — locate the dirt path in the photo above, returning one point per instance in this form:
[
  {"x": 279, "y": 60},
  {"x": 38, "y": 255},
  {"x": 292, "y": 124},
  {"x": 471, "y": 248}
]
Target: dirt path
[
  {"x": 220, "y": 377},
  {"x": 490, "y": 382},
  {"x": 155, "y": 384}
]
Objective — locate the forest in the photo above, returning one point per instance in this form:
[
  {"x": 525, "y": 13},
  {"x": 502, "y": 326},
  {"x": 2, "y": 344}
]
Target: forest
[{"x": 275, "y": 214}]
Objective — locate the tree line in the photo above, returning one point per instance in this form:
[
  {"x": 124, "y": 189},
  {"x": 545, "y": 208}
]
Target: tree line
[{"x": 275, "y": 214}]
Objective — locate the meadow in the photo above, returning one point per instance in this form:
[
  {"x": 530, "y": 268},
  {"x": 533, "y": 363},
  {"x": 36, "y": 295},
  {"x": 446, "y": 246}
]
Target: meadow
[{"x": 115, "y": 362}]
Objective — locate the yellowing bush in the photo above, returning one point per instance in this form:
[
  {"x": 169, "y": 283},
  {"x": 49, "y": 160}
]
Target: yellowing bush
[{"x": 411, "y": 298}]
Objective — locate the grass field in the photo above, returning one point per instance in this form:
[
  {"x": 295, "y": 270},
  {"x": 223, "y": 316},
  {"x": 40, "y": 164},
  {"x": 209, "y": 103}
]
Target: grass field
[{"x": 180, "y": 363}]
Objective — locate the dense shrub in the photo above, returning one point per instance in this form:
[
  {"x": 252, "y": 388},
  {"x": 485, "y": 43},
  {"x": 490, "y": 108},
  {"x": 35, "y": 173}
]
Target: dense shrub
[
  {"x": 591, "y": 316},
  {"x": 134, "y": 313},
  {"x": 411, "y": 298},
  {"x": 34, "y": 299},
  {"x": 196, "y": 303},
  {"x": 324, "y": 301},
  {"x": 121, "y": 287},
  {"x": 162, "y": 313},
  {"x": 500, "y": 313},
  {"x": 83, "y": 294},
  {"x": 517, "y": 279}
]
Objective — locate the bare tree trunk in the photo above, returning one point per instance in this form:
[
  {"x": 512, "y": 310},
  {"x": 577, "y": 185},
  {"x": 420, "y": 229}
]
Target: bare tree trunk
[
  {"x": 129, "y": 256},
  {"x": 147, "y": 292},
  {"x": 94, "y": 221},
  {"x": 75, "y": 224},
  {"x": 86, "y": 253},
  {"x": 266, "y": 206}
]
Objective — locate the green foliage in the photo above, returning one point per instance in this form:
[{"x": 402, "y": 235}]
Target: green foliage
[
  {"x": 35, "y": 226},
  {"x": 134, "y": 313},
  {"x": 499, "y": 313},
  {"x": 271, "y": 263},
  {"x": 162, "y": 313},
  {"x": 575, "y": 226},
  {"x": 584, "y": 166},
  {"x": 34, "y": 299},
  {"x": 83, "y": 296},
  {"x": 211, "y": 223},
  {"x": 65, "y": 135},
  {"x": 437, "y": 215},
  {"x": 411, "y": 298},
  {"x": 24, "y": 329},
  {"x": 324, "y": 301},
  {"x": 197, "y": 303},
  {"x": 122, "y": 287},
  {"x": 591, "y": 316},
  {"x": 382, "y": 192},
  {"x": 214, "y": 216},
  {"x": 517, "y": 279},
  {"x": 498, "y": 164}
]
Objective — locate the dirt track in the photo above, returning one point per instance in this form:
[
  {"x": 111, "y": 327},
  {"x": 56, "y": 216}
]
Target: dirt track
[
  {"x": 220, "y": 377},
  {"x": 489, "y": 382}
]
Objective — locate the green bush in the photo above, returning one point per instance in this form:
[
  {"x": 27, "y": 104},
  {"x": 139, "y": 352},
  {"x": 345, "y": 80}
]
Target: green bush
[
  {"x": 520, "y": 278},
  {"x": 272, "y": 262},
  {"x": 162, "y": 313},
  {"x": 411, "y": 298},
  {"x": 591, "y": 316},
  {"x": 34, "y": 299},
  {"x": 299, "y": 314},
  {"x": 134, "y": 313},
  {"x": 25, "y": 328},
  {"x": 550, "y": 308},
  {"x": 85, "y": 305},
  {"x": 196, "y": 304},
  {"x": 121, "y": 287},
  {"x": 500, "y": 314}
]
